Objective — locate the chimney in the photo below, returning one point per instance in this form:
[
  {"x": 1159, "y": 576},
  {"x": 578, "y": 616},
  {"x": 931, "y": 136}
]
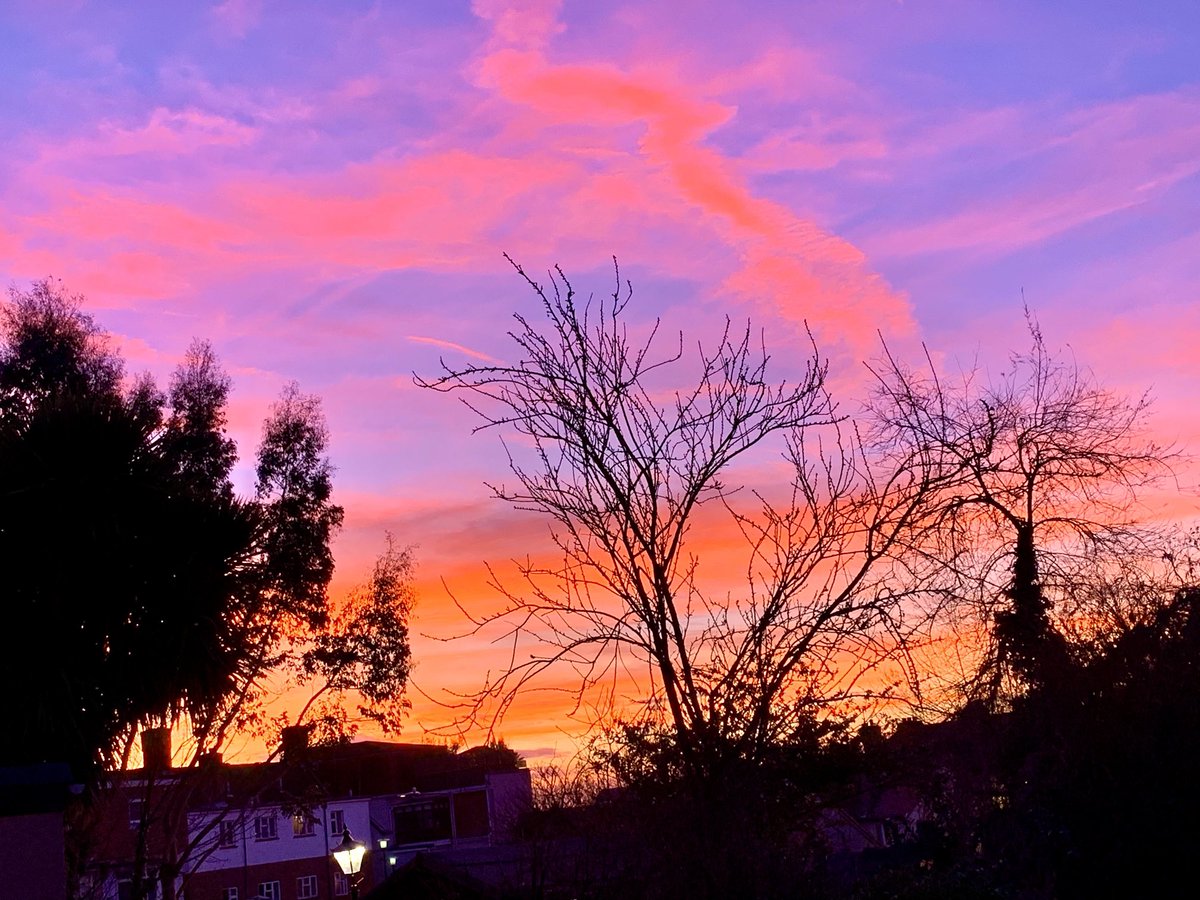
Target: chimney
[
  {"x": 156, "y": 749},
  {"x": 293, "y": 742}
]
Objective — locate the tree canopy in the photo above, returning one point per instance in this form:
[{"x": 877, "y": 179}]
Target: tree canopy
[{"x": 139, "y": 588}]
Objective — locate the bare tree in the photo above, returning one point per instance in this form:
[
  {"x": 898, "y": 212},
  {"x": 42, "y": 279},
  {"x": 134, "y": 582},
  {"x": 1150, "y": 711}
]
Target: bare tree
[
  {"x": 1041, "y": 472},
  {"x": 622, "y": 462}
]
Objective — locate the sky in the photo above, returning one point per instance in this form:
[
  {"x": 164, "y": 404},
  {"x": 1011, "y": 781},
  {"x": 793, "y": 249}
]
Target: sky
[{"x": 326, "y": 191}]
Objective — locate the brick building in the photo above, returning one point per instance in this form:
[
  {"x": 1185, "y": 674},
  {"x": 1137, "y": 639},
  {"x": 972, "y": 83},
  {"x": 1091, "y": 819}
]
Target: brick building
[{"x": 265, "y": 831}]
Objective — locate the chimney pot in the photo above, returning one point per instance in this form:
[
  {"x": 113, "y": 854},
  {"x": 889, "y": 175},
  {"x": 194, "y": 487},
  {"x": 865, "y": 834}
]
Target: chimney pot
[{"x": 156, "y": 749}]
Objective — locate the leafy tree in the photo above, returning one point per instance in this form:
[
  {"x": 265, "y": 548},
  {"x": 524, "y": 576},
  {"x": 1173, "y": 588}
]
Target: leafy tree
[
  {"x": 194, "y": 439},
  {"x": 364, "y": 649},
  {"x": 142, "y": 592},
  {"x": 1082, "y": 787},
  {"x": 358, "y": 658},
  {"x": 118, "y": 570},
  {"x": 295, "y": 483},
  {"x": 51, "y": 349}
]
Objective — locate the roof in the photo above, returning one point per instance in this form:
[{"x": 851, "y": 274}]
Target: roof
[
  {"x": 429, "y": 878},
  {"x": 364, "y": 769}
]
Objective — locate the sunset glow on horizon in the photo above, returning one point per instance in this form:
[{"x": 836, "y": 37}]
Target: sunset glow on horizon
[{"x": 326, "y": 192}]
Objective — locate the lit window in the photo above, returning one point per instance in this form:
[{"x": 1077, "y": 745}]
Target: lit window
[
  {"x": 341, "y": 885},
  {"x": 265, "y": 828},
  {"x": 306, "y": 887},
  {"x": 269, "y": 890},
  {"x": 337, "y": 822},
  {"x": 303, "y": 825}
]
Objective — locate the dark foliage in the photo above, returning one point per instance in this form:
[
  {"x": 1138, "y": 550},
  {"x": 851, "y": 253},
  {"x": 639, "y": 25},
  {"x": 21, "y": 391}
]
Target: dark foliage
[
  {"x": 1040, "y": 471},
  {"x": 1084, "y": 789},
  {"x": 51, "y": 349},
  {"x": 194, "y": 441},
  {"x": 138, "y": 588},
  {"x": 117, "y": 578},
  {"x": 295, "y": 483}
]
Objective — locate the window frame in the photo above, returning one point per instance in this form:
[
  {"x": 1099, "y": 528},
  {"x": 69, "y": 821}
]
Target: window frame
[
  {"x": 304, "y": 825},
  {"x": 337, "y": 817},
  {"x": 428, "y": 819},
  {"x": 306, "y": 887},
  {"x": 227, "y": 838},
  {"x": 272, "y": 832}
]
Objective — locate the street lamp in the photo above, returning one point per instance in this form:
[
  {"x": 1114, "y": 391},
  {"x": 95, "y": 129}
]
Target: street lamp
[{"x": 349, "y": 856}]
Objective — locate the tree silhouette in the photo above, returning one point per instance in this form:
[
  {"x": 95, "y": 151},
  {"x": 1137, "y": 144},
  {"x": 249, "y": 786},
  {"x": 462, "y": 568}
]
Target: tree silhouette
[
  {"x": 1041, "y": 469},
  {"x": 622, "y": 468},
  {"x": 51, "y": 349},
  {"x": 194, "y": 439},
  {"x": 141, "y": 590},
  {"x": 143, "y": 593}
]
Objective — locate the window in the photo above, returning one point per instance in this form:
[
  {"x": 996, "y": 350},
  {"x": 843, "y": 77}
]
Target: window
[
  {"x": 423, "y": 821},
  {"x": 230, "y": 893},
  {"x": 306, "y": 887},
  {"x": 149, "y": 887},
  {"x": 269, "y": 890},
  {"x": 137, "y": 806},
  {"x": 303, "y": 825},
  {"x": 341, "y": 885},
  {"x": 337, "y": 822},
  {"x": 227, "y": 837},
  {"x": 265, "y": 828}
]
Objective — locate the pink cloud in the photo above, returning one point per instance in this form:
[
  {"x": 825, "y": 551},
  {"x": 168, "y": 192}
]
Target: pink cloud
[
  {"x": 450, "y": 345},
  {"x": 785, "y": 72},
  {"x": 432, "y": 210},
  {"x": 820, "y": 144},
  {"x": 128, "y": 274},
  {"x": 601, "y": 147},
  {"x": 237, "y": 17},
  {"x": 183, "y": 132},
  {"x": 526, "y": 23},
  {"x": 1035, "y": 215},
  {"x": 1099, "y": 161},
  {"x": 99, "y": 216},
  {"x": 793, "y": 263}
]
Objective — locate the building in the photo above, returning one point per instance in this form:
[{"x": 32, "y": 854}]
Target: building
[
  {"x": 271, "y": 833},
  {"x": 33, "y": 804}
]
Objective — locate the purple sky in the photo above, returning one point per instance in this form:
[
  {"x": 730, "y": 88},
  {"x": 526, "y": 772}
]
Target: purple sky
[{"x": 325, "y": 190}]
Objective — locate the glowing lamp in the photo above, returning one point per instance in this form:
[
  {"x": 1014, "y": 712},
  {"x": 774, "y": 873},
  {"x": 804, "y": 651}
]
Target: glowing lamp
[{"x": 349, "y": 855}]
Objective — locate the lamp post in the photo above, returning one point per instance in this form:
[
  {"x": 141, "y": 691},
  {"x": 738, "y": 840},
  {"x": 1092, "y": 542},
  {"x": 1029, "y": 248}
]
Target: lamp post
[{"x": 349, "y": 856}]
